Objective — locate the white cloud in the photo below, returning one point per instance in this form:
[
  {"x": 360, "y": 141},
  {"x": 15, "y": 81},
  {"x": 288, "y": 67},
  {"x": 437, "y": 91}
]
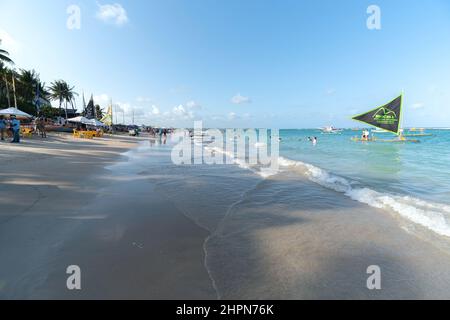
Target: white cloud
[
  {"x": 239, "y": 99},
  {"x": 143, "y": 99},
  {"x": 193, "y": 105},
  {"x": 216, "y": 117},
  {"x": 330, "y": 91},
  {"x": 418, "y": 105},
  {"x": 112, "y": 13},
  {"x": 150, "y": 114},
  {"x": 8, "y": 43},
  {"x": 182, "y": 112},
  {"x": 103, "y": 100},
  {"x": 232, "y": 116},
  {"x": 155, "y": 111}
]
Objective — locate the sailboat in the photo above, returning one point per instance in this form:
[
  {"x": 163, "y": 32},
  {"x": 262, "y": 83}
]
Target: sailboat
[
  {"x": 108, "y": 117},
  {"x": 388, "y": 118}
]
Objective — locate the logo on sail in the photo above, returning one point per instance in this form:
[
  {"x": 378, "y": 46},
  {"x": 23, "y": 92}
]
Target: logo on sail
[{"x": 385, "y": 116}]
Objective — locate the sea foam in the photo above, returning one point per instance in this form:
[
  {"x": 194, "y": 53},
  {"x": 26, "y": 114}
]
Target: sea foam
[{"x": 434, "y": 216}]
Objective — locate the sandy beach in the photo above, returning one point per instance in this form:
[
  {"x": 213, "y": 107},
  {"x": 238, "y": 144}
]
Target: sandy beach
[
  {"x": 140, "y": 227},
  {"x": 55, "y": 214}
]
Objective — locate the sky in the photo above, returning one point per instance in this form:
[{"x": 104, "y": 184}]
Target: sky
[{"x": 239, "y": 63}]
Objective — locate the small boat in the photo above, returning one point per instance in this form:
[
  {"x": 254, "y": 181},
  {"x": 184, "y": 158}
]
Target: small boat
[
  {"x": 331, "y": 130},
  {"x": 414, "y": 132},
  {"x": 379, "y": 131},
  {"x": 374, "y": 139}
]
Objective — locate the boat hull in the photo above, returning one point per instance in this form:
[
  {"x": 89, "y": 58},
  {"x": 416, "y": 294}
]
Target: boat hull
[{"x": 387, "y": 140}]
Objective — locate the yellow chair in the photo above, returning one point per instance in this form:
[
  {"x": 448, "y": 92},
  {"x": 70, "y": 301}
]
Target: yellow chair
[
  {"x": 27, "y": 132},
  {"x": 76, "y": 133},
  {"x": 82, "y": 134},
  {"x": 89, "y": 134}
]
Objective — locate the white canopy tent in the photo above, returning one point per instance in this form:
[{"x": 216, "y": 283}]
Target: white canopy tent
[
  {"x": 96, "y": 123},
  {"x": 81, "y": 120},
  {"x": 15, "y": 112}
]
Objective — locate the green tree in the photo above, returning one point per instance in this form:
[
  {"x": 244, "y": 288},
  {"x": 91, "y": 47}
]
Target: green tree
[
  {"x": 4, "y": 56},
  {"x": 98, "y": 112},
  {"x": 57, "y": 92},
  {"x": 63, "y": 93},
  {"x": 5, "y": 98},
  {"x": 27, "y": 85},
  {"x": 49, "y": 112}
]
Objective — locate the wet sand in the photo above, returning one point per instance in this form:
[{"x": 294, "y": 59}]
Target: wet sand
[{"x": 59, "y": 207}]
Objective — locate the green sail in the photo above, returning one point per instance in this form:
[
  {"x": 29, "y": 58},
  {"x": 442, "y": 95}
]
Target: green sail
[{"x": 387, "y": 117}]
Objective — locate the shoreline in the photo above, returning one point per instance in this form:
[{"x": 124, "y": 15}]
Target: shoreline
[
  {"x": 67, "y": 221},
  {"x": 46, "y": 179}
]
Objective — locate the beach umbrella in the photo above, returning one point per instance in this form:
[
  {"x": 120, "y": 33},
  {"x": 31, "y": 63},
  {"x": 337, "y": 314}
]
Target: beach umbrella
[
  {"x": 15, "y": 112},
  {"x": 96, "y": 123},
  {"x": 81, "y": 120}
]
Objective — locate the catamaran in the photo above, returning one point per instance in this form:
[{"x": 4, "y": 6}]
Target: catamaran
[{"x": 387, "y": 118}]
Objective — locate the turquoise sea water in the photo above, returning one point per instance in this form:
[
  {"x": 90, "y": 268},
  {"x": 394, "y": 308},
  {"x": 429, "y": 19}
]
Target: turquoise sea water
[
  {"x": 408, "y": 179},
  {"x": 419, "y": 170}
]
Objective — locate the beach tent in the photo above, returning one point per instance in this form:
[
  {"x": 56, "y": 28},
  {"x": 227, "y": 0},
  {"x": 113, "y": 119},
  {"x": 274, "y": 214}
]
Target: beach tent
[
  {"x": 81, "y": 120},
  {"x": 96, "y": 123},
  {"x": 15, "y": 112}
]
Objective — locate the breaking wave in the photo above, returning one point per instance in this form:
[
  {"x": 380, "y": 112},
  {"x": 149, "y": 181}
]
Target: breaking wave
[{"x": 434, "y": 216}]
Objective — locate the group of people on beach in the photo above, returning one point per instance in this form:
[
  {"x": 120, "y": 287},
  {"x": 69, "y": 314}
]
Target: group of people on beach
[{"x": 13, "y": 125}]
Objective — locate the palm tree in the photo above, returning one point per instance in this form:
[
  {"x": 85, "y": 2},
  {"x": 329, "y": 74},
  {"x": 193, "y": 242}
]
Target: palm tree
[
  {"x": 57, "y": 92},
  {"x": 27, "y": 85},
  {"x": 4, "y": 72},
  {"x": 63, "y": 93},
  {"x": 4, "y": 56},
  {"x": 8, "y": 77},
  {"x": 70, "y": 96},
  {"x": 4, "y": 85},
  {"x": 4, "y": 59}
]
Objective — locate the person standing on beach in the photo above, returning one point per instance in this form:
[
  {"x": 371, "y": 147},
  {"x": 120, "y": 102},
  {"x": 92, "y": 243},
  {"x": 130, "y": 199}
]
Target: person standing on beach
[
  {"x": 15, "y": 126},
  {"x": 2, "y": 128},
  {"x": 41, "y": 127}
]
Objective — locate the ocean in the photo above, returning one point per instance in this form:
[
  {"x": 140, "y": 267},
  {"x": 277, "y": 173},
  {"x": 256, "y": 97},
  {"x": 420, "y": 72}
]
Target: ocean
[{"x": 413, "y": 179}]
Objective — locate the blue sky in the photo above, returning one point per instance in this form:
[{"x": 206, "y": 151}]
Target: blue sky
[{"x": 235, "y": 63}]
